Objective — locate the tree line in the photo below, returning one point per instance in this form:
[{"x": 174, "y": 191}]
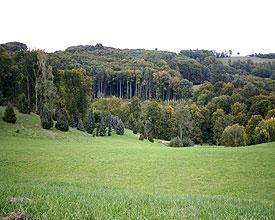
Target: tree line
[{"x": 190, "y": 98}]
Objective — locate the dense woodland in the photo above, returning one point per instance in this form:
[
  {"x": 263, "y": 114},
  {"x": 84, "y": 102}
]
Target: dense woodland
[{"x": 187, "y": 98}]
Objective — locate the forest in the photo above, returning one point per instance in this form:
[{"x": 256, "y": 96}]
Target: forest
[{"x": 187, "y": 98}]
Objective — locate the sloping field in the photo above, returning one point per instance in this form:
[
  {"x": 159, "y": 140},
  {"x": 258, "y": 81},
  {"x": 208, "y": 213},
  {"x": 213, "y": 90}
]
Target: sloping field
[{"x": 56, "y": 175}]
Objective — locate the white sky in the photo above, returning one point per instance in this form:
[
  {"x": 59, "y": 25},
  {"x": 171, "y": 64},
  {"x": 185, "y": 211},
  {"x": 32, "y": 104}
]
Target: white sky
[{"x": 247, "y": 26}]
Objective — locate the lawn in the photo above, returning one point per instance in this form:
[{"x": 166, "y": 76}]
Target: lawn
[{"x": 57, "y": 175}]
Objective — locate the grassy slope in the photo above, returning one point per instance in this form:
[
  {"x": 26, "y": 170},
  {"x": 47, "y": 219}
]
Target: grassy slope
[
  {"x": 243, "y": 58},
  {"x": 72, "y": 175}
]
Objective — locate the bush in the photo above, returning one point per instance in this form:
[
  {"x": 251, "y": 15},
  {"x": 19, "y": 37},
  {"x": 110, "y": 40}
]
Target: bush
[
  {"x": 141, "y": 137},
  {"x": 9, "y": 115},
  {"x": 23, "y": 105},
  {"x": 187, "y": 142},
  {"x": 109, "y": 130},
  {"x": 46, "y": 118},
  {"x": 252, "y": 123},
  {"x": 90, "y": 124},
  {"x": 80, "y": 125},
  {"x": 119, "y": 127},
  {"x": 62, "y": 122},
  {"x": 176, "y": 142},
  {"x": 234, "y": 136},
  {"x": 74, "y": 119},
  {"x": 265, "y": 132},
  {"x": 261, "y": 136},
  {"x": 102, "y": 127},
  {"x": 151, "y": 138}
]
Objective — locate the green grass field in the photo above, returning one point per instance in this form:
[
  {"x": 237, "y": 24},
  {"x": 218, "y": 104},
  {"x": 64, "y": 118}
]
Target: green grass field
[{"x": 56, "y": 175}]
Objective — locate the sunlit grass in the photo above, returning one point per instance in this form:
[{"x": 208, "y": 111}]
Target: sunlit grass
[{"x": 75, "y": 176}]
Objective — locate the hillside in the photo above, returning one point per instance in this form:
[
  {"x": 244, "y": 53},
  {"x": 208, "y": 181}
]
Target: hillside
[
  {"x": 56, "y": 175},
  {"x": 245, "y": 58}
]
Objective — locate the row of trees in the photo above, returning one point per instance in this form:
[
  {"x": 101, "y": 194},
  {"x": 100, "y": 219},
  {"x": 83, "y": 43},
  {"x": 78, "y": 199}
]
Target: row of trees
[
  {"x": 163, "y": 101},
  {"x": 188, "y": 122}
]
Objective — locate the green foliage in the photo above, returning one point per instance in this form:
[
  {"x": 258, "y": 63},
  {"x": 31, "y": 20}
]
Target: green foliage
[
  {"x": 187, "y": 142},
  {"x": 153, "y": 118},
  {"x": 234, "y": 136},
  {"x": 238, "y": 110},
  {"x": 270, "y": 114},
  {"x": 9, "y": 115},
  {"x": 80, "y": 125},
  {"x": 265, "y": 131},
  {"x": 184, "y": 121},
  {"x": 260, "y": 107},
  {"x": 46, "y": 118},
  {"x": 119, "y": 126},
  {"x": 90, "y": 124},
  {"x": 253, "y": 122},
  {"x": 102, "y": 127},
  {"x": 62, "y": 123},
  {"x": 176, "y": 142},
  {"x": 151, "y": 137},
  {"x": 109, "y": 130},
  {"x": 75, "y": 89},
  {"x": 219, "y": 122},
  {"x": 141, "y": 137},
  {"x": 261, "y": 136},
  {"x": 168, "y": 123},
  {"x": 23, "y": 105}
]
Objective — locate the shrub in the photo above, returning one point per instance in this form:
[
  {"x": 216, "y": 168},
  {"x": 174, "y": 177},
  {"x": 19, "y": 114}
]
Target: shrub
[
  {"x": 102, "y": 127},
  {"x": 176, "y": 142},
  {"x": 90, "y": 124},
  {"x": 119, "y": 127},
  {"x": 109, "y": 130},
  {"x": 62, "y": 122},
  {"x": 141, "y": 137},
  {"x": 150, "y": 138},
  {"x": 265, "y": 132},
  {"x": 74, "y": 119},
  {"x": 187, "y": 142},
  {"x": 234, "y": 136},
  {"x": 253, "y": 122},
  {"x": 9, "y": 115},
  {"x": 23, "y": 105},
  {"x": 46, "y": 118},
  {"x": 80, "y": 125},
  {"x": 261, "y": 136}
]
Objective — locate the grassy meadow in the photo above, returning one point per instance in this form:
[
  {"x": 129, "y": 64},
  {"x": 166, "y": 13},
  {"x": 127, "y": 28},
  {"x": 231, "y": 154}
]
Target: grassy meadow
[{"x": 55, "y": 175}]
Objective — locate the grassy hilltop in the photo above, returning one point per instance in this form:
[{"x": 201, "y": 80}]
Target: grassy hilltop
[{"x": 55, "y": 175}]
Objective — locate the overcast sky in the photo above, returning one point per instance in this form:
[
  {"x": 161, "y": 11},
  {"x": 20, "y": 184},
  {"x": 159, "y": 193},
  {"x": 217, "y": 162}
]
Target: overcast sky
[{"x": 247, "y": 26}]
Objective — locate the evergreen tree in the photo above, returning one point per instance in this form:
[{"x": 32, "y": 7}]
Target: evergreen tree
[
  {"x": 9, "y": 115},
  {"x": 23, "y": 105},
  {"x": 109, "y": 130},
  {"x": 80, "y": 125},
  {"x": 102, "y": 127},
  {"x": 90, "y": 124},
  {"x": 151, "y": 137},
  {"x": 62, "y": 122},
  {"x": 46, "y": 118},
  {"x": 119, "y": 127}
]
